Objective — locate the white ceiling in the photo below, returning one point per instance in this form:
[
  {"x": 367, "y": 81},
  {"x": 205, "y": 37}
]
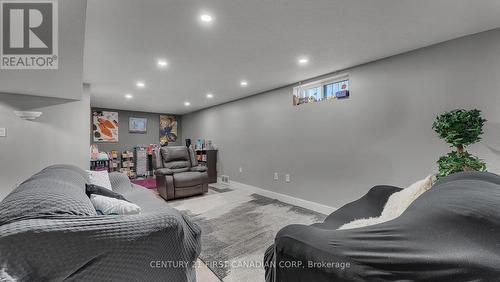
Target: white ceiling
[{"x": 258, "y": 41}]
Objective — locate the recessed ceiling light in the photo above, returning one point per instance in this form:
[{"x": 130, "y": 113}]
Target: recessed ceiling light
[
  {"x": 303, "y": 61},
  {"x": 210, "y": 95},
  {"x": 162, "y": 63},
  {"x": 187, "y": 104},
  {"x": 140, "y": 84},
  {"x": 206, "y": 18},
  {"x": 244, "y": 83},
  {"x": 129, "y": 96}
]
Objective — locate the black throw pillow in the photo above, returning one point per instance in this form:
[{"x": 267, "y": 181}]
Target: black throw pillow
[{"x": 99, "y": 190}]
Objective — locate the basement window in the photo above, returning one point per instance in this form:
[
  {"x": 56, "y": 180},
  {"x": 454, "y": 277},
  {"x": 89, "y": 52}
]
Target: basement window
[{"x": 317, "y": 91}]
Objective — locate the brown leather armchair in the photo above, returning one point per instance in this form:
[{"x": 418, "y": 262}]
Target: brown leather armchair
[{"x": 178, "y": 174}]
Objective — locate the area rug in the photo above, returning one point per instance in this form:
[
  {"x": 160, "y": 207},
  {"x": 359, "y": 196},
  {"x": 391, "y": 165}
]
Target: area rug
[
  {"x": 149, "y": 183},
  {"x": 237, "y": 227}
]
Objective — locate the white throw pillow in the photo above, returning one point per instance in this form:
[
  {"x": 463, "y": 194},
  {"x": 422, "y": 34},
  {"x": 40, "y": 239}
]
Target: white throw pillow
[
  {"x": 100, "y": 178},
  {"x": 111, "y": 206},
  {"x": 396, "y": 204}
]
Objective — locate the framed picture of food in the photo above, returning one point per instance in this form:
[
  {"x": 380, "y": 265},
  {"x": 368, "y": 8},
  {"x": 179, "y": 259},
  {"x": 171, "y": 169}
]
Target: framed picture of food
[{"x": 105, "y": 126}]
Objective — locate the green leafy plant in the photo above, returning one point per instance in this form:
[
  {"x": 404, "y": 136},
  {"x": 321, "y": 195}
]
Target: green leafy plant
[
  {"x": 459, "y": 128},
  {"x": 456, "y": 162}
]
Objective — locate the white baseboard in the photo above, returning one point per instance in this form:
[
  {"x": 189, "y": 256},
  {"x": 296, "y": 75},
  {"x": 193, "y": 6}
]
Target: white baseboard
[{"x": 317, "y": 207}]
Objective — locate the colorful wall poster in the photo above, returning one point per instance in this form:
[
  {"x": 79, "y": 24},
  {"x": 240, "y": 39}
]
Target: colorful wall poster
[
  {"x": 168, "y": 129},
  {"x": 105, "y": 126}
]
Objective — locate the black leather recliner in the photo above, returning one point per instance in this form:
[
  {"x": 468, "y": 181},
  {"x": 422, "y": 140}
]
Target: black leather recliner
[
  {"x": 450, "y": 233},
  {"x": 178, "y": 173}
]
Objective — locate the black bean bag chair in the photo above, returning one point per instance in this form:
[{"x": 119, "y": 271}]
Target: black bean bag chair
[{"x": 450, "y": 233}]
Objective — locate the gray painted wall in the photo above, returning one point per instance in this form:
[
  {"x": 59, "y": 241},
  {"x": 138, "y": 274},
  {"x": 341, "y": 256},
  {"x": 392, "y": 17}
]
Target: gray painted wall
[
  {"x": 60, "y": 135},
  {"x": 336, "y": 151},
  {"x": 128, "y": 140},
  {"x": 66, "y": 81}
]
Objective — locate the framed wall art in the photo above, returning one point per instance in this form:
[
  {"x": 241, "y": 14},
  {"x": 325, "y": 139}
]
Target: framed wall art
[
  {"x": 168, "y": 129},
  {"x": 105, "y": 126},
  {"x": 137, "y": 125}
]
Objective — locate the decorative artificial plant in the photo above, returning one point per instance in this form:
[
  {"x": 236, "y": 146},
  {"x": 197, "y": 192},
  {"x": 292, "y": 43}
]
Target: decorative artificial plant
[{"x": 459, "y": 128}]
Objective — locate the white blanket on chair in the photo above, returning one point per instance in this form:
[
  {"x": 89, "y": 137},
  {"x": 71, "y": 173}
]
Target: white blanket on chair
[{"x": 395, "y": 206}]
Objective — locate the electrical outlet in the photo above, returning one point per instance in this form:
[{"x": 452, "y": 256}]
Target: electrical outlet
[
  {"x": 3, "y": 132},
  {"x": 241, "y": 169},
  {"x": 276, "y": 176},
  {"x": 287, "y": 178}
]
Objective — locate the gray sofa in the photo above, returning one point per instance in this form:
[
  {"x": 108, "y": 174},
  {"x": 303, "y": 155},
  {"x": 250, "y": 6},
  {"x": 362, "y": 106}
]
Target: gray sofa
[
  {"x": 49, "y": 231},
  {"x": 178, "y": 174}
]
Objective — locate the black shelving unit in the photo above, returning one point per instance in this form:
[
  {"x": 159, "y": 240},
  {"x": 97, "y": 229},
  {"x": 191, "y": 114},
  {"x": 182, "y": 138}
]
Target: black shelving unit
[
  {"x": 208, "y": 158},
  {"x": 99, "y": 165}
]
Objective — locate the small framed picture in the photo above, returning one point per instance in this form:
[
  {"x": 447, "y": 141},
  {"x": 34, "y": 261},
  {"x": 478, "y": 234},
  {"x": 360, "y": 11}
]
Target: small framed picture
[{"x": 137, "y": 125}]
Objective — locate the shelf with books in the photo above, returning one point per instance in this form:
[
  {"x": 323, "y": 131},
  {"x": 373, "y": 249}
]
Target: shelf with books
[
  {"x": 127, "y": 164},
  {"x": 114, "y": 162}
]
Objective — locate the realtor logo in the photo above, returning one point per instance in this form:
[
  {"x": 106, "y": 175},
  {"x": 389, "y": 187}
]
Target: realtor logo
[{"x": 29, "y": 34}]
